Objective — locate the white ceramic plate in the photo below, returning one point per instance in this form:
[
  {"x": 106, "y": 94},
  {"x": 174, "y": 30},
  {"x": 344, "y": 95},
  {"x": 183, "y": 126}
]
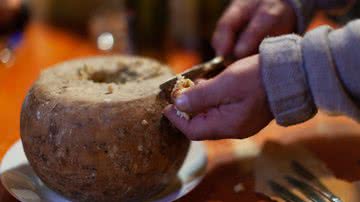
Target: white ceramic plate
[{"x": 20, "y": 180}]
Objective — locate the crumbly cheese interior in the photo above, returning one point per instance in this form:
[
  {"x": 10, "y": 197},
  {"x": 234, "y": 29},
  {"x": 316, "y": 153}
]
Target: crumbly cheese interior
[{"x": 182, "y": 84}]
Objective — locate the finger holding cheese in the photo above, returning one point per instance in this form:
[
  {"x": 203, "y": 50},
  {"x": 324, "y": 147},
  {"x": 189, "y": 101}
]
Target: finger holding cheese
[{"x": 182, "y": 84}]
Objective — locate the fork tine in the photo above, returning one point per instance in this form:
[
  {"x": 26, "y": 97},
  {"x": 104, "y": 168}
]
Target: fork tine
[
  {"x": 306, "y": 189},
  {"x": 303, "y": 172},
  {"x": 284, "y": 193}
]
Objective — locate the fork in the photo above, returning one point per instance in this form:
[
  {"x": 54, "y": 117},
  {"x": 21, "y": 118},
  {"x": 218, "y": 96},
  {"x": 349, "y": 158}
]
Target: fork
[{"x": 307, "y": 183}]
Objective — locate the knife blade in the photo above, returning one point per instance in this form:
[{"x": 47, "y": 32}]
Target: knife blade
[{"x": 205, "y": 70}]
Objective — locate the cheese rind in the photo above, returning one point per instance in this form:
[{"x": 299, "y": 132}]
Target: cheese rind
[{"x": 92, "y": 142}]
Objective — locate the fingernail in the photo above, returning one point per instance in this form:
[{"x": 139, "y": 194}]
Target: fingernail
[{"x": 182, "y": 103}]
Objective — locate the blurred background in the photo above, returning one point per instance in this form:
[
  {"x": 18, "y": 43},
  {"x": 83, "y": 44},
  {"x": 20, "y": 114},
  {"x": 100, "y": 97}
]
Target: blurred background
[
  {"x": 164, "y": 29},
  {"x": 155, "y": 28},
  {"x": 146, "y": 27}
]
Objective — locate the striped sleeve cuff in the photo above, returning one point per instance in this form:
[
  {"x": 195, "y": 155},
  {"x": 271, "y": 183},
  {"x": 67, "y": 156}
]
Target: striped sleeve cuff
[{"x": 285, "y": 81}]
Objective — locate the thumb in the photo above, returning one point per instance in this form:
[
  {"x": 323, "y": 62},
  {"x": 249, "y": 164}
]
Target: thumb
[{"x": 201, "y": 97}]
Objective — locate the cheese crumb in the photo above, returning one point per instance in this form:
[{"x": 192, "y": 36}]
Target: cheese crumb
[
  {"x": 140, "y": 148},
  {"x": 181, "y": 85},
  {"x": 107, "y": 100},
  {"x": 110, "y": 89},
  {"x": 144, "y": 122},
  {"x": 84, "y": 72},
  {"x": 239, "y": 187},
  {"x": 38, "y": 115}
]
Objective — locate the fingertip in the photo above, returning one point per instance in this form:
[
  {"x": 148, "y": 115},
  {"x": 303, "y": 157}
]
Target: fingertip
[
  {"x": 197, "y": 129},
  {"x": 249, "y": 41},
  {"x": 222, "y": 40},
  {"x": 240, "y": 50},
  {"x": 167, "y": 109},
  {"x": 185, "y": 126},
  {"x": 180, "y": 123},
  {"x": 201, "y": 97},
  {"x": 183, "y": 103},
  {"x": 170, "y": 113},
  {"x": 246, "y": 46}
]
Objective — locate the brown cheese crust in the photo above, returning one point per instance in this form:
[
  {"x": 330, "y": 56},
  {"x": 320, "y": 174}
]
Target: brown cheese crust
[{"x": 93, "y": 130}]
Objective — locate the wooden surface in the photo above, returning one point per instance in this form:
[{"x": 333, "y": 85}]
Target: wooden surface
[{"x": 333, "y": 140}]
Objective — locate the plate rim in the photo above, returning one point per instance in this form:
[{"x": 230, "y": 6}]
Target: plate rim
[{"x": 195, "y": 179}]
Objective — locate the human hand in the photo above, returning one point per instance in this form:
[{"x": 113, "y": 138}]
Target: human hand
[
  {"x": 247, "y": 22},
  {"x": 231, "y": 105}
]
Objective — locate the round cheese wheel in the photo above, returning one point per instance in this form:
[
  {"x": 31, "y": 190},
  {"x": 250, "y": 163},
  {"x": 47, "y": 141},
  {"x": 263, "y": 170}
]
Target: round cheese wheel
[{"x": 93, "y": 129}]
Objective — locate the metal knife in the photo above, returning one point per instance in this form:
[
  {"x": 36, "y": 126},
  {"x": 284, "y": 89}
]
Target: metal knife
[{"x": 205, "y": 70}]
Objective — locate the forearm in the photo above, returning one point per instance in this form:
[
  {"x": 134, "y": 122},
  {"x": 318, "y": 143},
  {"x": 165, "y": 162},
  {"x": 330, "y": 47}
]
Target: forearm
[
  {"x": 305, "y": 9},
  {"x": 320, "y": 70}
]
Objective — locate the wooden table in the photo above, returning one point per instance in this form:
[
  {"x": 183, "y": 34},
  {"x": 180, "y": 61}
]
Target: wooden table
[{"x": 333, "y": 140}]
